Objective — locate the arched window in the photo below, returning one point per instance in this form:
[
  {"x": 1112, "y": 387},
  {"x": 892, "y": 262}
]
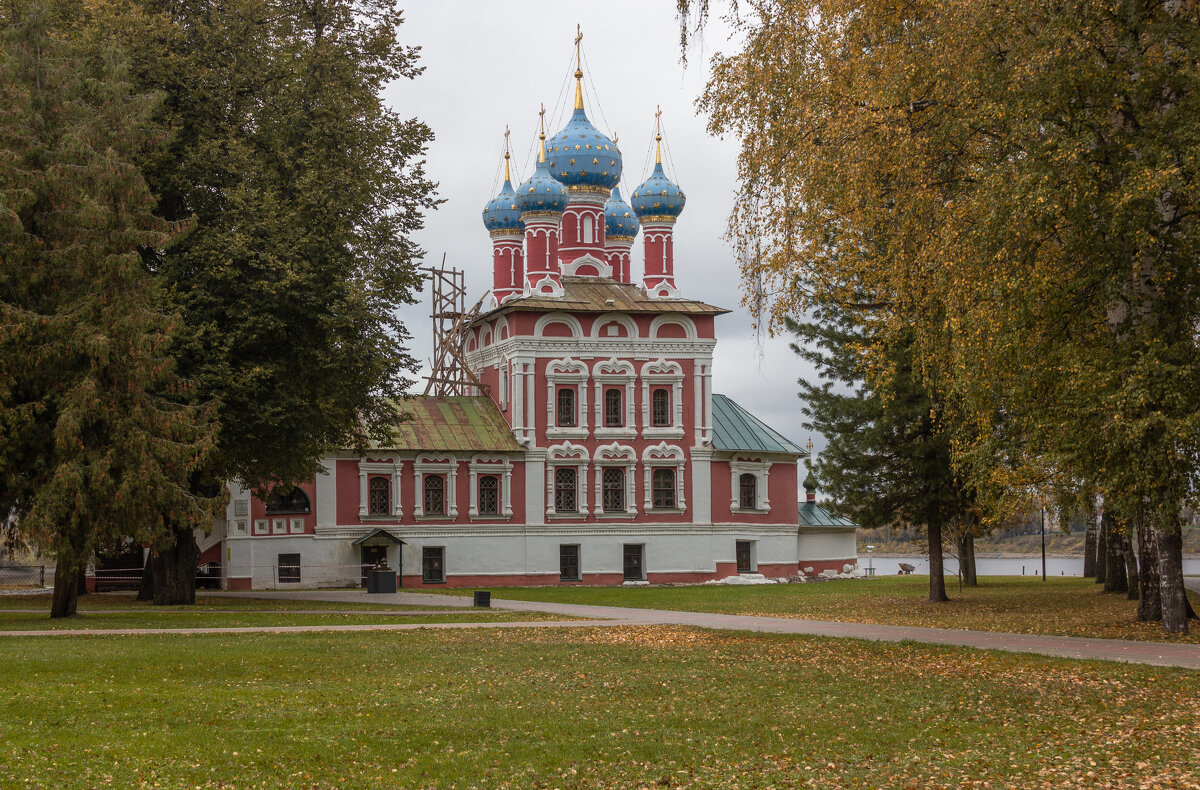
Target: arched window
[
  {"x": 566, "y": 498},
  {"x": 660, "y": 411},
  {"x": 379, "y": 496},
  {"x": 435, "y": 495},
  {"x": 748, "y": 491},
  {"x": 614, "y": 489},
  {"x": 565, "y": 417},
  {"x": 587, "y": 230},
  {"x": 281, "y": 500},
  {"x": 613, "y": 411},
  {"x": 663, "y": 485},
  {"x": 489, "y": 495}
]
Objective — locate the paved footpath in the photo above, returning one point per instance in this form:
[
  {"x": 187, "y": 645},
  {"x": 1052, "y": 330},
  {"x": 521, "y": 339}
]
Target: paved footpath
[{"x": 1155, "y": 653}]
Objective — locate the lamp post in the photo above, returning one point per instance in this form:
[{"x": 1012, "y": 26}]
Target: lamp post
[
  {"x": 1043, "y": 516},
  {"x": 870, "y": 561}
]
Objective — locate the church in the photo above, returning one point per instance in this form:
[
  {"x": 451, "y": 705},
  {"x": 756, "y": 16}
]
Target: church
[{"x": 592, "y": 448}]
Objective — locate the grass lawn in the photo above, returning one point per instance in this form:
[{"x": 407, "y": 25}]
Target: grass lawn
[
  {"x": 1063, "y": 606},
  {"x": 120, "y": 610},
  {"x": 589, "y": 708}
]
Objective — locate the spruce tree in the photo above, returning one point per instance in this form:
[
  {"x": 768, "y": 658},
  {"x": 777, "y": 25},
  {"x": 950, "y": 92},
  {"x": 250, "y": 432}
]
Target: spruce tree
[
  {"x": 887, "y": 461},
  {"x": 99, "y": 442}
]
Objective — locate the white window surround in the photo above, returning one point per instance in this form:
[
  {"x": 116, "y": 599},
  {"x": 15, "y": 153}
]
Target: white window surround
[
  {"x": 661, "y": 373},
  {"x": 296, "y": 526},
  {"x": 500, "y": 466},
  {"x": 614, "y": 373},
  {"x": 566, "y": 372},
  {"x": 688, "y": 326},
  {"x": 571, "y": 321},
  {"x": 279, "y": 526},
  {"x": 262, "y": 526},
  {"x": 393, "y": 469},
  {"x": 435, "y": 465},
  {"x": 761, "y": 470},
  {"x": 658, "y": 456},
  {"x": 567, "y": 454},
  {"x": 587, "y": 260},
  {"x": 616, "y": 455}
]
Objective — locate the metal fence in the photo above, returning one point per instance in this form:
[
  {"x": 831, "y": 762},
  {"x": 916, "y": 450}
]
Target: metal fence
[{"x": 22, "y": 575}]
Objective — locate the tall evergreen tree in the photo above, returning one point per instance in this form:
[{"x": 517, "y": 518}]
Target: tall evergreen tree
[
  {"x": 306, "y": 189},
  {"x": 97, "y": 439},
  {"x": 888, "y": 459}
]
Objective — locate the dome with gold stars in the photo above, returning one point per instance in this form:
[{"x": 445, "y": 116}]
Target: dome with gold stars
[{"x": 619, "y": 220}]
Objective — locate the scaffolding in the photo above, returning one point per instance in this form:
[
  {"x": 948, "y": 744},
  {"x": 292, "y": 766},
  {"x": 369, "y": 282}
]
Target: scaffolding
[{"x": 449, "y": 373}]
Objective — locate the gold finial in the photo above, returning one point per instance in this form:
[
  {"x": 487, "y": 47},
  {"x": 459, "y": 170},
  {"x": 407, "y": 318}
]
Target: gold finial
[
  {"x": 658, "y": 135},
  {"x": 507, "y": 177},
  {"x": 542, "y": 136},
  {"x": 810, "y": 447},
  {"x": 578, "y": 69}
]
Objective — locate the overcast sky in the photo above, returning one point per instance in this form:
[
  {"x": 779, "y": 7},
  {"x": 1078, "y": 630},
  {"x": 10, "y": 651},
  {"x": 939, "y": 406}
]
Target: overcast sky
[{"x": 488, "y": 65}]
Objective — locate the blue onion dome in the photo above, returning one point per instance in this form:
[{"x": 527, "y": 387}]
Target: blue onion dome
[
  {"x": 658, "y": 196},
  {"x": 580, "y": 155},
  {"x": 501, "y": 213},
  {"x": 542, "y": 193},
  {"x": 619, "y": 220}
]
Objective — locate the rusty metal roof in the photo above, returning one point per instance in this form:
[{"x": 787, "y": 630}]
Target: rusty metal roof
[
  {"x": 454, "y": 424},
  {"x": 604, "y": 295}
]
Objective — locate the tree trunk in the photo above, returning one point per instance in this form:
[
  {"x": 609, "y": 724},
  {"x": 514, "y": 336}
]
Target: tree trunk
[
  {"x": 1114, "y": 574},
  {"x": 146, "y": 588},
  {"x": 1175, "y": 607},
  {"x": 937, "y": 578},
  {"x": 71, "y": 561},
  {"x": 66, "y": 592},
  {"x": 966, "y": 558},
  {"x": 1101, "y": 551},
  {"x": 1150, "y": 603},
  {"x": 1131, "y": 565},
  {"x": 174, "y": 568},
  {"x": 1089, "y": 540}
]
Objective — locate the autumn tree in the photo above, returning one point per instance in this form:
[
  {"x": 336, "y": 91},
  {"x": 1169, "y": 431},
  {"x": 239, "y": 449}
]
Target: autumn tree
[
  {"x": 1017, "y": 183},
  {"x": 97, "y": 439},
  {"x": 305, "y": 190}
]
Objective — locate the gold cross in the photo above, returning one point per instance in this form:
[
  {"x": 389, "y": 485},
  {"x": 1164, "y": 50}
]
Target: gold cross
[
  {"x": 542, "y": 115},
  {"x": 578, "y": 38},
  {"x": 810, "y": 446}
]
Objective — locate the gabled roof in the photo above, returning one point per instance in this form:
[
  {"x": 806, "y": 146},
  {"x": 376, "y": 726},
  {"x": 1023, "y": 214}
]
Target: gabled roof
[
  {"x": 813, "y": 515},
  {"x": 454, "y": 424},
  {"x": 734, "y": 428},
  {"x": 605, "y": 295}
]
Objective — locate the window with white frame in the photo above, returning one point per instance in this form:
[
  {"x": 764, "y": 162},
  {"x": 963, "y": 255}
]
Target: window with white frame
[
  {"x": 614, "y": 391},
  {"x": 279, "y": 526},
  {"x": 666, "y": 377},
  {"x": 490, "y": 487},
  {"x": 261, "y": 526},
  {"x": 434, "y": 480},
  {"x": 663, "y": 464},
  {"x": 566, "y": 479},
  {"x": 296, "y": 526},
  {"x": 566, "y": 414},
  {"x": 615, "y": 465},
  {"x": 379, "y": 488},
  {"x": 748, "y": 484}
]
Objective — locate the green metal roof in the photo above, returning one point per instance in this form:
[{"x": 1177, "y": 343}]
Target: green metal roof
[
  {"x": 454, "y": 424},
  {"x": 734, "y": 428},
  {"x": 813, "y": 515},
  {"x": 375, "y": 536}
]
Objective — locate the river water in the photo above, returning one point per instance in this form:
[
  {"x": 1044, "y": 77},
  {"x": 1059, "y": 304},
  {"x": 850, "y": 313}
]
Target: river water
[{"x": 888, "y": 565}]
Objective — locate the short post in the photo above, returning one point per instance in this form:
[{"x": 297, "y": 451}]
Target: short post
[{"x": 870, "y": 561}]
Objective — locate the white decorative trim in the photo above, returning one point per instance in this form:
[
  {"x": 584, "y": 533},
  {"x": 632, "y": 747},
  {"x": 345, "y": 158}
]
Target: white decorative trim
[
  {"x": 393, "y": 468},
  {"x": 587, "y": 259},
  {"x": 558, "y": 318},
  {"x": 616, "y": 455},
  {"x": 664, "y": 290},
  {"x": 660, "y": 372},
  {"x": 688, "y": 326},
  {"x": 491, "y": 464},
  {"x": 663, "y": 455},
  {"x": 561, "y": 372},
  {"x": 547, "y": 286},
  {"x": 631, "y": 328},
  {"x": 567, "y": 454},
  {"x": 761, "y": 469},
  {"x": 435, "y": 464}
]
